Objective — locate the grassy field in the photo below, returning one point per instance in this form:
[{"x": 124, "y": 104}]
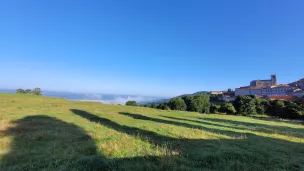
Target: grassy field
[{"x": 42, "y": 133}]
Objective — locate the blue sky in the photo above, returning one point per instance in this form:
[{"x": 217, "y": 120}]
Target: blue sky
[{"x": 151, "y": 47}]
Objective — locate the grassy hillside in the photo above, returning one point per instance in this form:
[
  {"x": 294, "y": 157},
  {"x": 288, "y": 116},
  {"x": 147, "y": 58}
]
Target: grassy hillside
[{"x": 40, "y": 133}]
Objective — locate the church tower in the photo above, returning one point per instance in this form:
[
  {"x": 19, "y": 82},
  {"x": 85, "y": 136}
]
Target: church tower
[{"x": 273, "y": 80}]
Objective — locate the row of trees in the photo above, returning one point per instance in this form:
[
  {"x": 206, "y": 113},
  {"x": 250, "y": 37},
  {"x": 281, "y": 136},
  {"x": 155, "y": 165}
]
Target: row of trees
[
  {"x": 35, "y": 91},
  {"x": 197, "y": 103},
  {"x": 247, "y": 105},
  {"x": 243, "y": 105},
  {"x": 223, "y": 108}
]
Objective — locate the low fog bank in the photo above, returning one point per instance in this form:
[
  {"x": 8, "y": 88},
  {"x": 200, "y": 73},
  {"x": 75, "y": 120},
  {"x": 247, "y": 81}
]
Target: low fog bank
[{"x": 122, "y": 99}]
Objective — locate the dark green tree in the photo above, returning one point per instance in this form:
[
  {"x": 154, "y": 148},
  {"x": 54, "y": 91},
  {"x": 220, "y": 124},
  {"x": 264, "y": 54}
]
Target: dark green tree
[
  {"x": 198, "y": 103},
  {"x": 261, "y": 105},
  {"x": 292, "y": 110},
  {"x": 227, "y": 108},
  {"x": 166, "y": 107},
  {"x": 214, "y": 108},
  {"x": 300, "y": 103},
  {"x": 153, "y": 105},
  {"x": 131, "y": 103},
  {"x": 205, "y": 103},
  {"x": 245, "y": 105},
  {"x": 37, "y": 91},
  {"x": 216, "y": 97},
  {"x": 189, "y": 100},
  {"x": 20, "y": 91},
  {"x": 276, "y": 108},
  {"x": 28, "y": 91},
  {"x": 163, "y": 106},
  {"x": 160, "y": 106},
  {"x": 177, "y": 104}
]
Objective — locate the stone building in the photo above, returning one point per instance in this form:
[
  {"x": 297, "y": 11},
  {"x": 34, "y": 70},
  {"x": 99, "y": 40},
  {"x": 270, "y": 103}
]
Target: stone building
[
  {"x": 264, "y": 83},
  {"x": 265, "y": 88}
]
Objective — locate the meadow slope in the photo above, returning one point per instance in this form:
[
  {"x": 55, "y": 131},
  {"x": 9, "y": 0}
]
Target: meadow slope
[{"x": 43, "y": 133}]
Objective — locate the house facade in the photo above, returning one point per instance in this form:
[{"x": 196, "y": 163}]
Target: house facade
[
  {"x": 216, "y": 92},
  {"x": 268, "y": 88}
]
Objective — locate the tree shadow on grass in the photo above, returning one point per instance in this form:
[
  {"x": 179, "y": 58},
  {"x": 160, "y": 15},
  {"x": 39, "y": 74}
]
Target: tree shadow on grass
[
  {"x": 251, "y": 153},
  {"x": 245, "y": 126},
  {"x": 276, "y": 119},
  {"x": 197, "y": 121},
  {"x": 157, "y": 139},
  {"x": 182, "y": 124},
  {"x": 46, "y": 143},
  {"x": 283, "y": 130}
]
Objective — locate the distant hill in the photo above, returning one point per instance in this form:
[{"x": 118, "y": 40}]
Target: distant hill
[
  {"x": 154, "y": 101},
  {"x": 193, "y": 94}
]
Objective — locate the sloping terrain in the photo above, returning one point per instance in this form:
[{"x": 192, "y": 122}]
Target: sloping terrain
[{"x": 42, "y": 133}]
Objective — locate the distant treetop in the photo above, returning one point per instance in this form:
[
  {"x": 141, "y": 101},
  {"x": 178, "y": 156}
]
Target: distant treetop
[
  {"x": 36, "y": 91},
  {"x": 131, "y": 103}
]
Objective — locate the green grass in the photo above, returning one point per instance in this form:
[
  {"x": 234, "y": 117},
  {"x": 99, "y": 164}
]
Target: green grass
[{"x": 42, "y": 133}]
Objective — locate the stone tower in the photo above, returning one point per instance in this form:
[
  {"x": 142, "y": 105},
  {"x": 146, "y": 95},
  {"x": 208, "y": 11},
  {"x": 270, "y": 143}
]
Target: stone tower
[{"x": 273, "y": 80}]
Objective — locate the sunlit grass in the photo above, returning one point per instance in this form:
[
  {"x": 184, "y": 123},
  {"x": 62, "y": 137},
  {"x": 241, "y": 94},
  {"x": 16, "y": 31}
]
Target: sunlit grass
[{"x": 42, "y": 133}]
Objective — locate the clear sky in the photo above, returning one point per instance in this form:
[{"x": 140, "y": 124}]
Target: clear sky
[{"x": 149, "y": 47}]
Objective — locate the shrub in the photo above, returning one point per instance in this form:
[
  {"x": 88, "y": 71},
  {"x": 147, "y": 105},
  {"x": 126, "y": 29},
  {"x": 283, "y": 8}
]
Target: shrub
[
  {"x": 131, "y": 103},
  {"x": 177, "y": 104},
  {"x": 291, "y": 110},
  {"x": 20, "y": 91},
  {"x": 29, "y": 91},
  {"x": 227, "y": 108},
  {"x": 189, "y": 100},
  {"x": 214, "y": 108},
  {"x": 276, "y": 108},
  {"x": 245, "y": 105},
  {"x": 198, "y": 103},
  {"x": 166, "y": 107},
  {"x": 163, "y": 106},
  {"x": 261, "y": 105},
  {"x": 153, "y": 105},
  {"x": 36, "y": 91}
]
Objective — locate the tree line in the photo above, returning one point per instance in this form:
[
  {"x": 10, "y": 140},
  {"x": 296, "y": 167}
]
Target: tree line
[
  {"x": 247, "y": 105},
  {"x": 36, "y": 91},
  {"x": 197, "y": 103},
  {"x": 243, "y": 105}
]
